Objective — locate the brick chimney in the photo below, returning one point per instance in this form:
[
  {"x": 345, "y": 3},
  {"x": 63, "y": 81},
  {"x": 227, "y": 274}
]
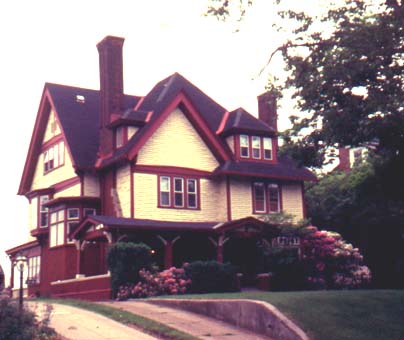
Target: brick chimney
[
  {"x": 111, "y": 88},
  {"x": 344, "y": 162},
  {"x": 267, "y": 109}
]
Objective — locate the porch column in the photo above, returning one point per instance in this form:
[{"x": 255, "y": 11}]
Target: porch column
[
  {"x": 219, "y": 247},
  {"x": 168, "y": 250},
  {"x": 80, "y": 246}
]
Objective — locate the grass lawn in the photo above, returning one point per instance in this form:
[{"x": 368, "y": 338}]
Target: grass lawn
[{"x": 336, "y": 315}]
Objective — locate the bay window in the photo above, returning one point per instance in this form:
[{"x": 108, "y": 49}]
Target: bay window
[
  {"x": 34, "y": 266},
  {"x": 266, "y": 198},
  {"x": 178, "y": 192},
  {"x": 57, "y": 228},
  {"x": 256, "y": 147},
  {"x": 244, "y": 146},
  {"x": 73, "y": 216},
  {"x": 267, "y": 146},
  {"x": 43, "y": 211}
]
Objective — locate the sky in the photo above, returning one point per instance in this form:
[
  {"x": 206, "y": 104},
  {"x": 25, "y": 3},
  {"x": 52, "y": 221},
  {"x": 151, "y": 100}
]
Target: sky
[{"x": 55, "y": 41}]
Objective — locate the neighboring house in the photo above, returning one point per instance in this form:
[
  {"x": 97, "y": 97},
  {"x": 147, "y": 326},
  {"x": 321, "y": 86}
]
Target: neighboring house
[
  {"x": 351, "y": 156},
  {"x": 172, "y": 169}
]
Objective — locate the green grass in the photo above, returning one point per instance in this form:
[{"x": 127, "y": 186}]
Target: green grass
[
  {"x": 148, "y": 326},
  {"x": 336, "y": 315}
]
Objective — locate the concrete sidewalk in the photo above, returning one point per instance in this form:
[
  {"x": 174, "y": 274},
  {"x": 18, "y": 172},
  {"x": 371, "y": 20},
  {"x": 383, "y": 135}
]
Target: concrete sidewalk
[
  {"x": 79, "y": 324},
  {"x": 197, "y": 325}
]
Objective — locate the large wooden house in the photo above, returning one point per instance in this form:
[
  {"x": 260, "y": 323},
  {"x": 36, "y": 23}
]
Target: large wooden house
[{"x": 172, "y": 169}]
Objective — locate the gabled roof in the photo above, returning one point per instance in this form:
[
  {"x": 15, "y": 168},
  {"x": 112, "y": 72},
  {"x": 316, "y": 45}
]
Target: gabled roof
[
  {"x": 284, "y": 169},
  {"x": 240, "y": 121},
  {"x": 201, "y": 110}
]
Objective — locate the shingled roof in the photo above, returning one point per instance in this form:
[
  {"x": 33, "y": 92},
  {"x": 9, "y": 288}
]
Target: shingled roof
[{"x": 78, "y": 111}]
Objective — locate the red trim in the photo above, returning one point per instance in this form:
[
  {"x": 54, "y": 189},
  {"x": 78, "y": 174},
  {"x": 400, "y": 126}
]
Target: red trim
[
  {"x": 84, "y": 200},
  {"x": 185, "y": 192},
  {"x": 66, "y": 184},
  {"x": 138, "y": 104},
  {"x": 228, "y": 198},
  {"x": 54, "y": 140},
  {"x": 250, "y": 158},
  {"x": 269, "y": 176},
  {"x": 170, "y": 170},
  {"x": 24, "y": 246},
  {"x": 223, "y": 123},
  {"x": 199, "y": 124},
  {"x": 148, "y": 117},
  {"x": 267, "y": 198},
  {"x": 132, "y": 195}
]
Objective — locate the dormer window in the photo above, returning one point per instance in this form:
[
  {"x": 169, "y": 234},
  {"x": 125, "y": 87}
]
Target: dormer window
[
  {"x": 255, "y": 147},
  {"x": 244, "y": 146},
  {"x": 121, "y": 136}
]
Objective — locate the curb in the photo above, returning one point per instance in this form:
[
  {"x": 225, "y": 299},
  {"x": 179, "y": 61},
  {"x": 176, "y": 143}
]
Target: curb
[{"x": 256, "y": 316}]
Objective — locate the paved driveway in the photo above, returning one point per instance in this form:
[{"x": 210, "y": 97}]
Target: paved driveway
[{"x": 79, "y": 324}]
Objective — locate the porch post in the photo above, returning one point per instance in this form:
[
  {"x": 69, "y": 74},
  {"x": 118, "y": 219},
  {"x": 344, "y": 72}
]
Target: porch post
[
  {"x": 168, "y": 250},
  {"x": 80, "y": 246},
  {"x": 219, "y": 247}
]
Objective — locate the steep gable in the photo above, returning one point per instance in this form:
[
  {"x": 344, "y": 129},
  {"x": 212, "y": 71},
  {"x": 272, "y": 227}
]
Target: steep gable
[{"x": 177, "y": 143}]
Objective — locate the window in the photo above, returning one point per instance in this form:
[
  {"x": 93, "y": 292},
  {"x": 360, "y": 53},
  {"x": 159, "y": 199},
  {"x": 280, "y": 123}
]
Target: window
[
  {"x": 165, "y": 191},
  {"x": 43, "y": 211},
  {"x": 256, "y": 147},
  {"x": 73, "y": 216},
  {"x": 266, "y": 198},
  {"x": 267, "y": 148},
  {"x": 57, "y": 228},
  {"x": 54, "y": 157},
  {"x": 191, "y": 193},
  {"x": 178, "y": 192},
  {"x": 34, "y": 267},
  {"x": 244, "y": 146}
]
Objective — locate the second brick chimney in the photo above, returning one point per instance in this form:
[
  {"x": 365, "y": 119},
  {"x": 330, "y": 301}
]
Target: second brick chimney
[
  {"x": 267, "y": 110},
  {"x": 111, "y": 88}
]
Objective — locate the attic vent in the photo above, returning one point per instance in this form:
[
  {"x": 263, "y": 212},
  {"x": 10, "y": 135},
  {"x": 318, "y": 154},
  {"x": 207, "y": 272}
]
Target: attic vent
[{"x": 80, "y": 98}]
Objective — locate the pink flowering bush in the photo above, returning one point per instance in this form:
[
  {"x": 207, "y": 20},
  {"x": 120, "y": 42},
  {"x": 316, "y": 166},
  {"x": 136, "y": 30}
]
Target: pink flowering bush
[
  {"x": 169, "y": 281},
  {"x": 330, "y": 262}
]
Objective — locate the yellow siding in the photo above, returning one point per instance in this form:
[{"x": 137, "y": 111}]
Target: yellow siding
[
  {"x": 52, "y": 127},
  {"x": 213, "y": 202},
  {"x": 68, "y": 192},
  {"x": 57, "y": 175},
  {"x": 230, "y": 143},
  {"x": 131, "y": 131},
  {"x": 123, "y": 189},
  {"x": 176, "y": 143},
  {"x": 33, "y": 213},
  {"x": 293, "y": 200},
  {"x": 241, "y": 199},
  {"x": 242, "y": 205},
  {"x": 91, "y": 185}
]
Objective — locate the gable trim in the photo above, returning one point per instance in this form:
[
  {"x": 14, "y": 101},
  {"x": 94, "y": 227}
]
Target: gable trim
[{"x": 182, "y": 102}]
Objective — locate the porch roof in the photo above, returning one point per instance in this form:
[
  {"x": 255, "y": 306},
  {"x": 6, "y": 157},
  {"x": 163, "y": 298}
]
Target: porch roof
[{"x": 110, "y": 223}]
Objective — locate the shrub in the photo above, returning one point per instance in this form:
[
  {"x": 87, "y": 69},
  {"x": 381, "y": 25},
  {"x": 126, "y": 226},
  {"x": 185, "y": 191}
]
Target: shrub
[
  {"x": 211, "y": 276},
  {"x": 22, "y": 326},
  {"x": 125, "y": 261}
]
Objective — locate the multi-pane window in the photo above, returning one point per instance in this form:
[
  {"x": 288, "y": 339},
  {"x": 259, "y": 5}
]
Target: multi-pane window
[
  {"x": 43, "y": 211},
  {"x": 255, "y": 147},
  {"x": 57, "y": 228},
  {"x": 54, "y": 157},
  {"x": 73, "y": 216},
  {"x": 165, "y": 189},
  {"x": 244, "y": 146},
  {"x": 266, "y": 198},
  {"x": 178, "y": 192},
  {"x": 34, "y": 267},
  {"x": 267, "y": 146}
]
